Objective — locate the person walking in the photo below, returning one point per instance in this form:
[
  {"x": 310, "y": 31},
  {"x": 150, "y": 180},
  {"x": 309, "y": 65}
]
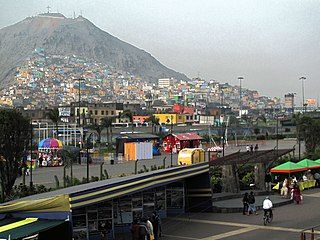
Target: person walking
[
  {"x": 245, "y": 202},
  {"x": 267, "y": 180},
  {"x": 135, "y": 230},
  {"x": 156, "y": 223},
  {"x": 251, "y": 202}
]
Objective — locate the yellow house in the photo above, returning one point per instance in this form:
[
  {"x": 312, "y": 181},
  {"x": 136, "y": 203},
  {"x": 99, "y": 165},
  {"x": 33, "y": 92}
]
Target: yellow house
[{"x": 171, "y": 118}]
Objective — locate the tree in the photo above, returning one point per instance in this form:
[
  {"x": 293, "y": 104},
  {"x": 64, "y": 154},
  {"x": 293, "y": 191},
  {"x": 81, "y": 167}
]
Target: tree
[
  {"x": 15, "y": 132},
  {"x": 107, "y": 123},
  {"x": 54, "y": 116},
  {"x": 98, "y": 128},
  {"x": 127, "y": 113},
  {"x": 69, "y": 156},
  {"x": 154, "y": 122}
]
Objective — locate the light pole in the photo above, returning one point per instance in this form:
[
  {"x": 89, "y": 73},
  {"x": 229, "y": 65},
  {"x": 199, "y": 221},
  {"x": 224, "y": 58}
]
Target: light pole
[
  {"x": 240, "y": 97},
  {"x": 88, "y": 140},
  {"x": 277, "y": 140},
  {"x": 79, "y": 114},
  {"x": 31, "y": 140},
  {"x": 171, "y": 137},
  {"x": 302, "y": 79}
]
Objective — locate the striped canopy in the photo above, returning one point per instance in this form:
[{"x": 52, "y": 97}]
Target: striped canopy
[
  {"x": 50, "y": 143},
  {"x": 289, "y": 167}
]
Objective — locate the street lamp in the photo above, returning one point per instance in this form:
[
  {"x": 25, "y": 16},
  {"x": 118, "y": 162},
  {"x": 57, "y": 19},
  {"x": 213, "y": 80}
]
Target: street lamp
[
  {"x": 240, "y": 97},
  {"x": 302, "y": 79},
  {"x": 88, "y": 140},
  {"x": 31, "y": 140},
  {"x": 171, "y": 127}
]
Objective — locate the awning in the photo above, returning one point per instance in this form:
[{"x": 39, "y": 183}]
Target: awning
[
  {"x": 289, "y": 167},
  {"x": 14, "y": 228}
]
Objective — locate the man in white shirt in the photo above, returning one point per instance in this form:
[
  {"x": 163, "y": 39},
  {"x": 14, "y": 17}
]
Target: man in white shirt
[{"x": 267, "y": 206}]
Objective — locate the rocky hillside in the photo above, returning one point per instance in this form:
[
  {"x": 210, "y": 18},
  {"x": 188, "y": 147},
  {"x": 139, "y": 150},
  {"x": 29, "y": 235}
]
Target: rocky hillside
[{"x": 65, "y": 36}]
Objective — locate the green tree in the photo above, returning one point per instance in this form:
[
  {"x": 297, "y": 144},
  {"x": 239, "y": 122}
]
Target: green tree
[
  {"x": 128, "y": 114},
  {"x": 69, "y": 157},
  {"x": 154, "y": 122},
  {"x": 15, "y": 132},
  {"x": 107, "y": 123},
  {"x": 98, "y": 128},
  {"x": 54, "y": 116}
]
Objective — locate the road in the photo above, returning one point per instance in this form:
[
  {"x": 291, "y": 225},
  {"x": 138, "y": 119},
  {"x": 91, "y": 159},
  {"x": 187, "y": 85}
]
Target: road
[
  {"x": 287, "y": 224},
  {"x": 45, "y": 175}
]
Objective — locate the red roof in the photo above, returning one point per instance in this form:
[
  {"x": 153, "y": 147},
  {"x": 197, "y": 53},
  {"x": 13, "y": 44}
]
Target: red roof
[{"x": 188, "y": 136}]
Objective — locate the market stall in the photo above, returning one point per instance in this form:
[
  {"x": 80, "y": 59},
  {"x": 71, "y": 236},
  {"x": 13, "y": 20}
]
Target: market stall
[{"x": 50, "y": 152}]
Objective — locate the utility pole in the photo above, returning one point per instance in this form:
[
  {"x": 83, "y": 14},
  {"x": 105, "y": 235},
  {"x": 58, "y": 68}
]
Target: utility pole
[
  {"x": 240, "y": 97},
  {"x": 302, "y": 79},
  {"x": 31, "y": 140}
]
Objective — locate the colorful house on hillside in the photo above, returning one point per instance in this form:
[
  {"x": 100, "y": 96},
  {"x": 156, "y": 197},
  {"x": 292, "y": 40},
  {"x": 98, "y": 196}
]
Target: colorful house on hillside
[{"x": 180, "y": 141}]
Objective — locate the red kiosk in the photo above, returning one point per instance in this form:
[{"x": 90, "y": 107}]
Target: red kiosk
[{"x": 181, "y": 141}]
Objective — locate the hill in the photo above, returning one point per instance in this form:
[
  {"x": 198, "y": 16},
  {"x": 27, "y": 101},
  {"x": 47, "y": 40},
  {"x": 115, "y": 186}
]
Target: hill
[{"x": 65, "y": 36}]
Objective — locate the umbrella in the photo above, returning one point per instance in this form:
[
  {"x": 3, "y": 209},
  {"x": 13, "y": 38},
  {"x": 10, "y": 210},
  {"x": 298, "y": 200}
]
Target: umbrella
[
  {"x": 289, "y": 167},
  {"x": 318, "y": 160},
  {"x": 50, "y": 143},
  {"x": 309, "y": 163}
]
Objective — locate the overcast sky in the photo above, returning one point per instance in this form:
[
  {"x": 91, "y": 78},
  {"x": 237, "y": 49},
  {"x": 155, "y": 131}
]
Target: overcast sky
[{"x": 271, "y": 43}]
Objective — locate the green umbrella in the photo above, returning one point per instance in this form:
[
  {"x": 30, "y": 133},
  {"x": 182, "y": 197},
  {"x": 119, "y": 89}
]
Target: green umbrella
[
  {"x": 289, "y": 167},
  {"x": 318, "y": 160},
  {"x": 309, "y": 163}
]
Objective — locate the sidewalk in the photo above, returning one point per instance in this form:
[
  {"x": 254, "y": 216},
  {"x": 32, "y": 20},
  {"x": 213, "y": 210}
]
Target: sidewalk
[{"x": 232, "y": 203}]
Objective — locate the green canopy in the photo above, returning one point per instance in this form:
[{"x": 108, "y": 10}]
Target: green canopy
[
  {"x": 309, "y": 163},
  {"x": 289, "y": 167},
  {"x": 318, "y": 160}
]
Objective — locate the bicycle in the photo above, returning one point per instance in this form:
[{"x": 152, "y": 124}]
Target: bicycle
[{"x": 267, "y": 218}]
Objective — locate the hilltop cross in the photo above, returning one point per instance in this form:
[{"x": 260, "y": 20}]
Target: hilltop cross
[{"x": 48, "y": 9}]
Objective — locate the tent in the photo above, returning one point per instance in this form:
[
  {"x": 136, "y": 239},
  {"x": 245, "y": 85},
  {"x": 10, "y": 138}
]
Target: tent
[
  {"x": 289, "y": 167},
  {"x": 50, "y": 143},
  {"x": 309, "y": 163},
  {"x": 318, "y": 160}
]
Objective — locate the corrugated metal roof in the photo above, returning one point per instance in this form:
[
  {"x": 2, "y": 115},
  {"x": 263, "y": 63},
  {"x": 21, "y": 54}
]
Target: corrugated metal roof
[{"x": 188, "y": 136}]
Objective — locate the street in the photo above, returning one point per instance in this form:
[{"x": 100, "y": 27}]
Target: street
[
  {"x": 288, "y": 222},
  {"x": 45, "y": 175}
]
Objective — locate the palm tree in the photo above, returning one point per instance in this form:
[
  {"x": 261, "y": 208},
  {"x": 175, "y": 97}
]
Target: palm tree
[
  {"x": 262, "y": 118},
  {"x": 107, "y": 123},
  {"x": 154, "y": 121},
  {"x": 98, "y": 128},
  {"x": 69, "y": 156},
  {"x": 54, "y": 116},
  {"x": 127, "y": 113}
]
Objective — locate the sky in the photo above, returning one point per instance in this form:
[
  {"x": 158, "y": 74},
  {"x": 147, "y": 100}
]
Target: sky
[{"x": 270, "y": 43}]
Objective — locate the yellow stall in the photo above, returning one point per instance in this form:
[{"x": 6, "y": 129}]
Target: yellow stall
[{"x": 189, "y": 156}]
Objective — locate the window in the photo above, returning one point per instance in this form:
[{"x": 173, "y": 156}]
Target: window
[
  {"x": 96, "y": 112},
  {"x": 107, "y": 112},
  {"x": 112, "y": 113},
  {"x": 102, "y": 112}
]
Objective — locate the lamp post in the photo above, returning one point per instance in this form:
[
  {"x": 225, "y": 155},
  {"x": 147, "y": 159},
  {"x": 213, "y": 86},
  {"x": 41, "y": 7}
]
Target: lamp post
[
  {"x": 171, "y": 127},
  {"x": 302, "y": 79},
  {"x": 31, "y": 140},
  {"x": 88, "y": 141},
  {"x": 79, "y": 115},
  {"x": 277, "y": 129},
  {"x": 240, "y": 97}
]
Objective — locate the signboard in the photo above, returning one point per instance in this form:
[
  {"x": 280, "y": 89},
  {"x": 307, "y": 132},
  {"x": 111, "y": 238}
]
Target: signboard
[{"x": 64, "y": 111}]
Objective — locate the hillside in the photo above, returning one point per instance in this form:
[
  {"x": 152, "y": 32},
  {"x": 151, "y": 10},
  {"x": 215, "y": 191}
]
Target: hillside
[{"x": 65, "y": 36}]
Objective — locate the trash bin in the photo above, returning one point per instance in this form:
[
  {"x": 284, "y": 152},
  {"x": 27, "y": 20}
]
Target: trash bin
[{"x": 112, "y": 161}]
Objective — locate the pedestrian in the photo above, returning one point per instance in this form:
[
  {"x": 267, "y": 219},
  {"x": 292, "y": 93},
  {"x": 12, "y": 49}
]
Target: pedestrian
[
  {"x": 316, "y": 177},
  {"x": 143, "y": 230},
  {"x": 156, "y": 223},
  {"x": 267, "y": 180},
  {"x": 251, "y": 202},
  {"x": 251, "y": 148},
  {"x": 150, "y": 229},
  {"x": 245, "y": 202},
  {"x": 248, "y": 148},
  {"x": 256, "y": 147},
  {"x": 40, "y": 160},
  {"x": 135, "y": 230}
]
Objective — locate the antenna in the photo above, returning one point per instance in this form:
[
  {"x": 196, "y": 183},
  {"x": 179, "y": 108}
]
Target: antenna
[
  {"x": 80, "y": 13},
  {"x": 74, "y": 15},
  {"x": 48, "y": 9}
]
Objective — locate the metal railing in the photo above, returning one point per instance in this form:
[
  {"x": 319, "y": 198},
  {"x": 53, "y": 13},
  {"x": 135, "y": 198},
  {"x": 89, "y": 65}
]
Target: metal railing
[{"x": 311, "y": 233}]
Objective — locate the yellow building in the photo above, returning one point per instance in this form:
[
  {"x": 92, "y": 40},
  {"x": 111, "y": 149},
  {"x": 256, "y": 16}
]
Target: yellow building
[{"x": 171, "y": 118}]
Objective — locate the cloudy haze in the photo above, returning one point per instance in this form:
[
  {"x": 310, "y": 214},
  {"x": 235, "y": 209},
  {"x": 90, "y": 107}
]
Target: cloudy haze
[{"x": 271, "y": 43}]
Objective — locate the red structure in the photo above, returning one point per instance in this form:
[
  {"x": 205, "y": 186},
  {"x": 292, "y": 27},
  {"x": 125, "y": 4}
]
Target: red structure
[{"x": 180, "y": 141}]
